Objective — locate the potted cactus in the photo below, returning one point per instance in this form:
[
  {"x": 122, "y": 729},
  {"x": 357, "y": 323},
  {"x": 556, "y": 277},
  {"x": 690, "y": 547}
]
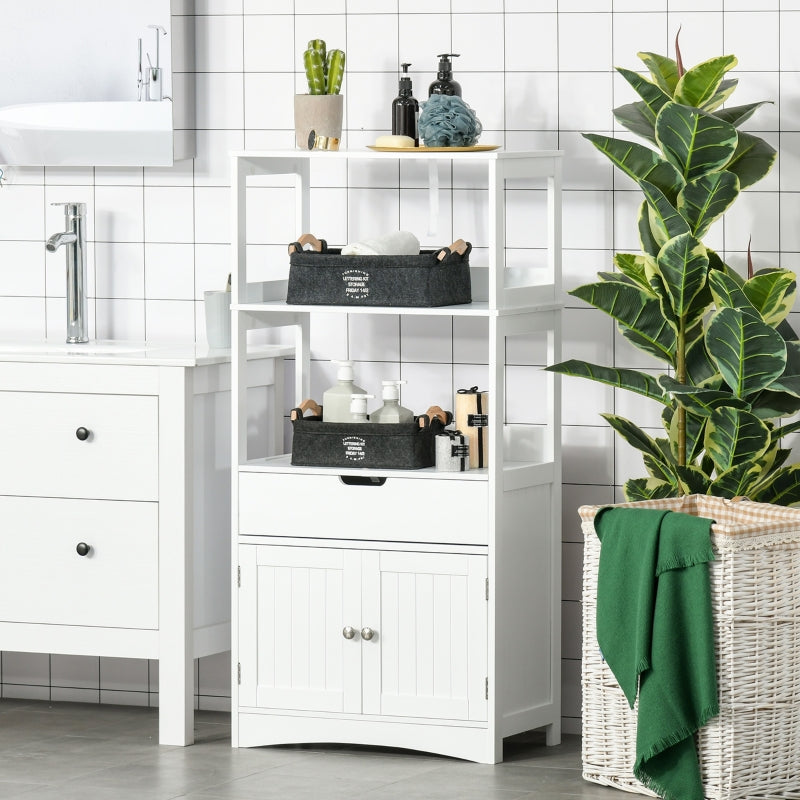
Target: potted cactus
[
  {"x": 732, "y": 361},
  {"x": 318, "y": 114}
]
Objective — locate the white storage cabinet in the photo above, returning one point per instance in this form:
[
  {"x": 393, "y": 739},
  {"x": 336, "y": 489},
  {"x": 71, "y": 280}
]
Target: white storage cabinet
[
  {"x": 442, "y": 631},
  {"x": 115, "y": 508}
]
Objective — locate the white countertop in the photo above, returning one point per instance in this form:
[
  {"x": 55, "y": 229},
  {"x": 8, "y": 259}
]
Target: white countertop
[{"x": 128, "y": 352}]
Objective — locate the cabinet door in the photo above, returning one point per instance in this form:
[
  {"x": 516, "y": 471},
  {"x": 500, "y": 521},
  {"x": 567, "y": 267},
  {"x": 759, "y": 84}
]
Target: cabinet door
[
  {"x": 429, "y": 655},
  {"x": 294, "y": 603}
]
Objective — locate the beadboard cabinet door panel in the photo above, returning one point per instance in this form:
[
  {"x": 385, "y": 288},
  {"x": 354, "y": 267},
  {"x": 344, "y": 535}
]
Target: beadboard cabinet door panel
[
  {"x": 98, "y": 446},
  {"x": 295, "y": 604},
  {"x": 429, "y": 659}
]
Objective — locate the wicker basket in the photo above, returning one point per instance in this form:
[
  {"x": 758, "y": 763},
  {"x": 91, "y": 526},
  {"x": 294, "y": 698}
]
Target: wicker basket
[{"x": 753, "y": 746}]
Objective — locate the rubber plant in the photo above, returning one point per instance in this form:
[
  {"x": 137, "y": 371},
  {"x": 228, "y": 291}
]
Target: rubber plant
[{"x": 732, "y": 360}]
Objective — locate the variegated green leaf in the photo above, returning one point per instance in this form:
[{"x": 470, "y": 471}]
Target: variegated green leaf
[
  {"x": 695, "y": 142},
  {"x": 632, "y": 265},
  {"x": 733, "y": 436},
  {"x": 752, "y": 159},
  {"x": 770, "y": 405},
  {"x": 736, "y": 115},
  {"x": 737, "y": 481},
  {"x": 638, "y": 315},
  {"x": 694, "y": 432},
  {"x": 683, "y": 264},
  {"x": 728, "y": 292},
  {"x": 634, "y": 436},
  {"x": 725, "y": 90},
  {"x": 748, "y": 352},
  {"x": 635, "y": 117},
  {"x": 647, "y": 489},
  {"x": 639, "y": 162},
  {"x": 700, "y": 369},
  {"x": 664, "y": 70},
  {"x": 630, "y": 379},
  {"x": 650, "y": 246},
  {"x": 772, "y": 292},
  {"x": 785, "y": 430},
  {"x": 789, "y": 381},
  {"x": 700, "y": 83},
  {"x": 700, "y": 402},
  {"x": 693, "y": 480},
  {"x": 705, "y": 199},
  {"x": 783, "y": 488},
  {"x": 665, "y": 221}
]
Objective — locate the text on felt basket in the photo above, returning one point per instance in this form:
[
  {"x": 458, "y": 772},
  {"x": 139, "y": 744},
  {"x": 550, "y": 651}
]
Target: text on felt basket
[
  {"x": 354, "y": 448},
  {"x": 356, "y": 283}
]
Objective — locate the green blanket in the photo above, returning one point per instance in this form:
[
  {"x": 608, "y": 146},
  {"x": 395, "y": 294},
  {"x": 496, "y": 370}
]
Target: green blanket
[{"x": 655, "y": 630}]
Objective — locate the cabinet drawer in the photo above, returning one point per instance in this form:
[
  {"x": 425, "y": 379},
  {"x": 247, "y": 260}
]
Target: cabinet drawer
[
  {"x": 44, "y": 456},
  {"x": 44, "y": 580},
  {"x": 401, "y": 509}
]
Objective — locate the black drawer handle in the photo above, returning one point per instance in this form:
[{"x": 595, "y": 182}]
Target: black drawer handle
[
  {"x": 82, "y": 433},
  {"x": 83, "y": 549}
]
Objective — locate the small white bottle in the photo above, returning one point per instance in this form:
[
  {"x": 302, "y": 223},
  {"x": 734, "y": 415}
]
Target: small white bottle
[
  {"x": 391, "y": 410},
  {"x": 336, "y": 400},
  {"x": 358, "y": 407}
]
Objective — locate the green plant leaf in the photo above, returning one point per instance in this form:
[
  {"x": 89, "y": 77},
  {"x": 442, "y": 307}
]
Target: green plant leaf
[
  {"x": 772, "y": 292},
  {"x": 737, "y": 481},
  {"x": 736, "y": 115},
  {"x": 783, "y": 487},
  {"x": 639, "y": 162},
  {"x": 733, "y": 436},
  {"x": 683, "y": 264},
  {"x": 635, "y": 436},
  {"x": 725, "y": 90},
  {"x": 695, "y": 142},
  {"x": 695, "y": 428},
  {"x": 700, "y": 369},
  {"x": 769, "y": 405},
  {"x": 789, "y": 381},
  {"x": 634, "y": 117},
  {"x": 633, "y": 267},
  {"x": 729, "y": 292},
  {"x": 700, "y": 402},
  {"x": 752, "y": 159},
  {"x": 785, "y": 430},
  {"x": 705, "y": 199},
  {"x": 650, "y": 246},
  {"x": 748, "y": 352},
  {"x": 699, "y": 84},
  {"x": 630, "y": 379},
  {"x": 693, "y": 480},
  {"x": 647, "y": 489},
  {"x": 665, "y": 221},
  {"x": 664, "y": 70},
  {"x": 638, "y": 315}
]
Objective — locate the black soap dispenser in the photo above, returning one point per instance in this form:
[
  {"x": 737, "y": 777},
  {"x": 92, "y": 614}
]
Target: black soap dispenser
[
  {"x": 405, "y": 109},
  {"x": 444, "y": 83}
]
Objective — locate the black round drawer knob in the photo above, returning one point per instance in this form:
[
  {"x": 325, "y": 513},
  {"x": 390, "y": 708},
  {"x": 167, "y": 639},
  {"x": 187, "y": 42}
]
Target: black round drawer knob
[
  {"x": 82, "y": 433},
  {"x": 83, "y": 549}
]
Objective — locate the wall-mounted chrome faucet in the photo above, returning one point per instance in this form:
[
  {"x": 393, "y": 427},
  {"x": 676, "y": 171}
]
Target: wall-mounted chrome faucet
[
  {"x": 155, "y": 75},
  {"x": 74, "y": 240}
]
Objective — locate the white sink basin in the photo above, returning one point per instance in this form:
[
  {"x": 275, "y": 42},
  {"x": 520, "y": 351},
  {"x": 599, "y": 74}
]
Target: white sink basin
[{"x": 114, "y": 133}]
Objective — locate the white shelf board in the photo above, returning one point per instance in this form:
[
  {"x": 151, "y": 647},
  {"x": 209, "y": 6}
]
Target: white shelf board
[{"x": 476, "y": 309}]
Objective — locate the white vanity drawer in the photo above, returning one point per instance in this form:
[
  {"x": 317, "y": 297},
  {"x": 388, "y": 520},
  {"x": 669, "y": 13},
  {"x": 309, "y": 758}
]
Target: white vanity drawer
[
  {"x": 44, "y": 455},
  {"x": 401, "y": 509},
  {"x": 44, "y": 580}
]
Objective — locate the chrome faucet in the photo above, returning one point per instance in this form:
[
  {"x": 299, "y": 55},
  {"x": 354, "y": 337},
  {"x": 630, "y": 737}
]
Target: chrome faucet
[
  {"x": 74, "y": 240},
  {"x": 155, "y": 82}
]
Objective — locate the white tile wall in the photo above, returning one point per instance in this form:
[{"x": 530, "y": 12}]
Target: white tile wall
[{"x": 538, "y": 74}]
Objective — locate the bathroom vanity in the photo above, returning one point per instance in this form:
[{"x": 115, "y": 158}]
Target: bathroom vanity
[{"x": 115, "y": 504}]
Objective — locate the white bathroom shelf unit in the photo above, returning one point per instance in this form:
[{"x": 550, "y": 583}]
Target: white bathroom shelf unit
[{"x": 435, "y": 626}]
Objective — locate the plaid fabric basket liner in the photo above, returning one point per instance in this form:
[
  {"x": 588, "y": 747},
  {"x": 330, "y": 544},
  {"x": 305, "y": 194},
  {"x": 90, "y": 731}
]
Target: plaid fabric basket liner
[{"x": 752, "y": 749}]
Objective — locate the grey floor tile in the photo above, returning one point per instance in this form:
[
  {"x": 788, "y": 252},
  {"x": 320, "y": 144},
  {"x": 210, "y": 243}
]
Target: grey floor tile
[{"x": 72, "y": 751}]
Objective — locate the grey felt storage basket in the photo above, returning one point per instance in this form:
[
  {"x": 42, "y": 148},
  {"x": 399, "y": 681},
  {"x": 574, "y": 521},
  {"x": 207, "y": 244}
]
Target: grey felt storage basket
[
  {"x": 367, "y": 445},
  {"x": 324, "y": 276}
]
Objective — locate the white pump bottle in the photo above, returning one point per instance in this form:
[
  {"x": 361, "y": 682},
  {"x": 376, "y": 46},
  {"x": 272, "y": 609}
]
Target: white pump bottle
[
  {"x": 391, "y": 410},
  {"x": 336, "y": 400}
]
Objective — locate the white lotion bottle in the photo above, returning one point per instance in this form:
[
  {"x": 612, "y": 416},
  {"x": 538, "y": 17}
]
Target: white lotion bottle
[
  {"x": 391, "y": 410},
  {"x": 358, "y": 407},
  {"x": 336, "y": 400}
]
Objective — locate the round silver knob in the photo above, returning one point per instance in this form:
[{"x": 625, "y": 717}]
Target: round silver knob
[
  {"x": 367, "y": 633},
  {"x": 348, "y": 632}
]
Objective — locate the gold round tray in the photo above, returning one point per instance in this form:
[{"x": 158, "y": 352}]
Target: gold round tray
[{"x": 474, "y": 148}]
